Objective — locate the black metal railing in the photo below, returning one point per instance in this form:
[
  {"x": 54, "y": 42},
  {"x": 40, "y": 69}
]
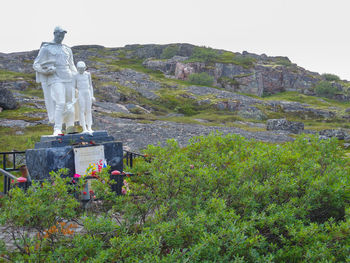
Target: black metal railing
[
  {"x": 130, "y": 156},
  {"x": 5, "y": 160},
  {"x": 9, "y": 166},
  {"x": 7, "y": 180}
]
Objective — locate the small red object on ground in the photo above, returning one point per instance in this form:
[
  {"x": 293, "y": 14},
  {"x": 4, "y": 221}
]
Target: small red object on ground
[
  {"x": 21, "y": 179},
  {"x": 115, "y": 172}
]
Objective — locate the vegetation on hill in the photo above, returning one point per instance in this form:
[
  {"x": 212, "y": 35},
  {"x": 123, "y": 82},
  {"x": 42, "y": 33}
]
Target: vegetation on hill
[
  {"x": 221, "y": 199},
  {"x": 203, "y": 79}
]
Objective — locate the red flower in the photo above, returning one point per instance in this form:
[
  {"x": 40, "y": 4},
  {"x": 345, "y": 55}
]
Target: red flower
[
  {"x": 93, "y": 173},
  {"x": 84, "y": 193},
  {"x": 115, "y": 172},
  {"x": 91, "y": 192}
]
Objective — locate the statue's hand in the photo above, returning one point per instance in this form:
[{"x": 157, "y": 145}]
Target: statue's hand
[{"x": 49, "y": 71}]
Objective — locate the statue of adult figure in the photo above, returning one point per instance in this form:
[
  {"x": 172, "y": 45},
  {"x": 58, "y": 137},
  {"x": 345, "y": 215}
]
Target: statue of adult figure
[{"x": 55, "y": 69}]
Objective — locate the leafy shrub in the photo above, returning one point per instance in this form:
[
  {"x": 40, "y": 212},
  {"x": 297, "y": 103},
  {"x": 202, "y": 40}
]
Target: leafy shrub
[
  {"x": 325, "y": 89},
  {"x": 204, "y": 54},
  {"x": 284, "y": 61},
  {"x": 169, "y": 51},
  {"x": 219, "y": 199},
  {"x": 244, "y": 61},
  {"x": 330, "y": 77},
  {"x": 203, "y": 79}
]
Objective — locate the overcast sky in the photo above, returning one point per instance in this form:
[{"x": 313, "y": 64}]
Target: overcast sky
[{"x": 312, "y": 33}]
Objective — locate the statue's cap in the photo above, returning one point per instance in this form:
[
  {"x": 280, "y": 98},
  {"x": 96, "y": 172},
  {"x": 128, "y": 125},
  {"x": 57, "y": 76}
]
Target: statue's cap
[
  {"x": 81, "y": 64},
  {"x": 59, "y": 29}
]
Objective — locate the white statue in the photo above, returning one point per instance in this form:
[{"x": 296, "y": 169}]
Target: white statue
[
  {"x": 83, "y": 84},
  {"x": 55, "y": 70}
]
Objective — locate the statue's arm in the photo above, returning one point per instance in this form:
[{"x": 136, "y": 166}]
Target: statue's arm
[
  {"x": 42, "y": 56},
  {"x": 91, "y": 88},
  {"x": 71, "y": 62},
  {"x": 74, "y": 88}
]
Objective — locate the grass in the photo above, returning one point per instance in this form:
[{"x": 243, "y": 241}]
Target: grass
[
  {"x": 312, "y": 100},
  {"x": 12, "y": 75},
  {"x": 32, "y": 92},
  {"x": 9, "y": 140},
  {"x": 147, "y": 117},
  {"x": 20, "y": 114}
]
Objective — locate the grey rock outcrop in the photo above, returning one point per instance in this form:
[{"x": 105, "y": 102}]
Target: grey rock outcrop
[
  {"x": 250, "y": 73},
  {"x": 337, "y": 133},
  {"x": 251, "y": 113},
  {"x": 139, "y": 82},
  {"x": 284, "y": 125},
  {"x": 166, "y": 66},
  {"x": 7, "y": 100}
]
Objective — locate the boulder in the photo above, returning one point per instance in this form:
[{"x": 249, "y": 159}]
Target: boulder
[
  {"x": 7, "y": 100},
  {"x": 251, "y": 113},
  {"x": 284, "y": 125},
  {"x": 338, "y": 133}
]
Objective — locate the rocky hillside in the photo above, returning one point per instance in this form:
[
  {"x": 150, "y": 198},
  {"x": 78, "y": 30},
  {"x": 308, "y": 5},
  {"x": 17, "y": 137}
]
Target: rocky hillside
[{"x": 149, "y": 93}]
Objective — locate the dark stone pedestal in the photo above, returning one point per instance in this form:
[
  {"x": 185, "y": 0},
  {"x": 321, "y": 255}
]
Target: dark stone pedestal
[{"x": 55, "y": 152}]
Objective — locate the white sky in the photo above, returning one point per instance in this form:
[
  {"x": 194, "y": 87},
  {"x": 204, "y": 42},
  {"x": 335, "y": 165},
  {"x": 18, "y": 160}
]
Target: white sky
[{"x": 312, "y": 33}]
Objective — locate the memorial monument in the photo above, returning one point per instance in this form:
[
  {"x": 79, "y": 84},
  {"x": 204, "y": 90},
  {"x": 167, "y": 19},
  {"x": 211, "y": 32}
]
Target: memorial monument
[
  {"x": 55, "y": 70},
  {"x": 60, "y": 80}
]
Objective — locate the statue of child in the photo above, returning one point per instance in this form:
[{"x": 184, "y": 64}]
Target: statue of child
[{"x": 83, "y": 84}]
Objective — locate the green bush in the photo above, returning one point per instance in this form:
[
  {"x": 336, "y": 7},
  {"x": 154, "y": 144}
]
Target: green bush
[
  {"x": 219, "y": 199},
  {"x": 169, "y": 52},
  {"x": 203, "y": 79},
  {"x": 284, "y": 61},
  {"x": 244, "y": 61},
  {"x": 325, "y": 89},
  {"x": 330, "y": 77},
  {"x": 204, "y": 54}
]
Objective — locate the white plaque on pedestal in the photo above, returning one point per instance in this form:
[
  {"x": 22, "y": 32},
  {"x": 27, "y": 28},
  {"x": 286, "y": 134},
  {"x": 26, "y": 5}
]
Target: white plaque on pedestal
[{"x": 86, "y": 155}]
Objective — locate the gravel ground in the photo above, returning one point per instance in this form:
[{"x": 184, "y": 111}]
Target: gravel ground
[{"x": 136, "y": 136}]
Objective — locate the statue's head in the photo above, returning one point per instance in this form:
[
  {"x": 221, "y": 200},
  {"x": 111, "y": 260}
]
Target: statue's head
[
  {"x": 81, "y": 67},
  {"x": 59, "y": 34}
]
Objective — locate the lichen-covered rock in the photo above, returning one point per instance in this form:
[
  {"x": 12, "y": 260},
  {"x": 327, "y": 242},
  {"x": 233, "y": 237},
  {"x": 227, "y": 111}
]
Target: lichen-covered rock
[
  {"x": 110, "y": 107},
  {"x": 228, "y": 105},
  {"x": 15, "y": 123},
  {"x": 301, "y": 109},
  {"x": 338, "y": 133},
  {"x": 139, "y": 82},
  {"x": 284, "y": 125},
  {"x": 7, "y": 100},
  {"x": 133, "y": 108},
  {"x": 251, "y": 113},
  {"x": 166, "y": 66}
]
